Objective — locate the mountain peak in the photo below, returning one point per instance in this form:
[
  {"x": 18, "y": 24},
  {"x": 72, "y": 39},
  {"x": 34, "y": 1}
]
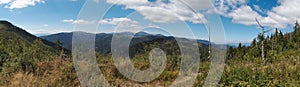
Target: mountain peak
[{"x": 4, "y": 22}]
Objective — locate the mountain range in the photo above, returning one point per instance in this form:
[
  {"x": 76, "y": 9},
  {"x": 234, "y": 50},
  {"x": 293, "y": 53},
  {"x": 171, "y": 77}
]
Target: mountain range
[
  {"x": 103, "y": 40},
  {"x": 138, "y": 42},
  {"x": 11, "y": 32}
]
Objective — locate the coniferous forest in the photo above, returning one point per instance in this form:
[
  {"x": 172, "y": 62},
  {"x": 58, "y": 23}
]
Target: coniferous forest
[{"x": 27, "y": 60}]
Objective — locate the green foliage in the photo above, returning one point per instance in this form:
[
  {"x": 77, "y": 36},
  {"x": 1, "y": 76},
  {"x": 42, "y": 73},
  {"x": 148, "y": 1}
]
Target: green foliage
[
  {"x": 20, "y": 52},
  {"x": 30, "y": 60},
  {"x": 282, "y": 53}
]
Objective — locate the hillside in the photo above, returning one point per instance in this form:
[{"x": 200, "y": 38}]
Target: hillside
[
  {"x": 246, "y": 66},
  {"x": 10, "y": 32},
  {"x": 25, "y": 57},
  {"x": 103, "y": 41},
  {"x": 16, "y": 41},
  {"x": 27, "y": 60}
]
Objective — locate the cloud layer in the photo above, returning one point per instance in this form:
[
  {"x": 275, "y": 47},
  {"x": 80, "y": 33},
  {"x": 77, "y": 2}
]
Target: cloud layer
[
  {"x": 77, "y": 21},
  {"x": 286, "y": 13},
  {"x": 166, "y": 11},
  {"x": 122, "y": 23},
  {"x": 14, "y": 4}
]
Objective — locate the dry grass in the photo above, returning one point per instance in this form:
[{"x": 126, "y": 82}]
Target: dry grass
[{"x": 54, "y": 73}]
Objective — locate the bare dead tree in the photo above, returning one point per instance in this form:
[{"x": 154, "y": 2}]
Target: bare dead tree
[
  {"x": 209, "y": 43},
  {"x": 263, "y": 41}
]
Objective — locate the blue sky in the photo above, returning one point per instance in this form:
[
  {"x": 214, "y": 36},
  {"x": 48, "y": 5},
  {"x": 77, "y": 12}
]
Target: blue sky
[{"x": 42, "y": 17}]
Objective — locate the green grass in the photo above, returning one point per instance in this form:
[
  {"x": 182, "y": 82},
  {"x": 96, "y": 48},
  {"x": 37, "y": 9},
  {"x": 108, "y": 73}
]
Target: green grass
[{"x": 282, "y": 71}]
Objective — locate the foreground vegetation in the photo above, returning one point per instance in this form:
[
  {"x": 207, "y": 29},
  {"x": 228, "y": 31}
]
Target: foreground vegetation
[
  {"x": 245, "y": 65},
  {"x": 33, "y": 63},
  {"x": 282, "y": 71}
]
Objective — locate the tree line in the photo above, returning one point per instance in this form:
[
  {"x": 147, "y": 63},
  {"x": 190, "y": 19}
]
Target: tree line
[{"x": 275, "y": 44}]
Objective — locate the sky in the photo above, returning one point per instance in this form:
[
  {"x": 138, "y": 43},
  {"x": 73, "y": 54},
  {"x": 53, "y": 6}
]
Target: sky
[{"x": 181, "y": 18}]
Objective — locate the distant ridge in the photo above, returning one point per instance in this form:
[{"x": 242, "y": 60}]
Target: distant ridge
[
  {"x": 139, "y": 41},
  {"x": 9, "y": 31},
  {"x": 10, "y": 28},
  {"x": 4, "y": 22}
]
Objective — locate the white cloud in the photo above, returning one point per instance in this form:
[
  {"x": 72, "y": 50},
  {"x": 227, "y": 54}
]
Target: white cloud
[
  {"x": 280, "y": 16},
  {"x": 257, "y": 8},
  {"x": 153, "y": 26},
  {"x": 244, "y": 15},
  {"x": 4, "y": 1},
  {"x": 45, "y": 25},
  {"x": 223, "y": 6},
  {"x": 73, "y": 0},
  {"x": 96, "y": 1},
  {"x": 82, "y": 22},
  {"x": 287, "y": 13},
  {"x": 288, "y": 8},
  {"x": 47, "y": 31},
  {"x": 126, "y": 25},
  {"x": 14, "y": 4},
  {"x": 162, "y": 12},
  {"x": 199, "y": 4},
  {"x": 128, "y": 2},
  {"x": 116, "y": 21},
  {"x": 122, "y": 24}
]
